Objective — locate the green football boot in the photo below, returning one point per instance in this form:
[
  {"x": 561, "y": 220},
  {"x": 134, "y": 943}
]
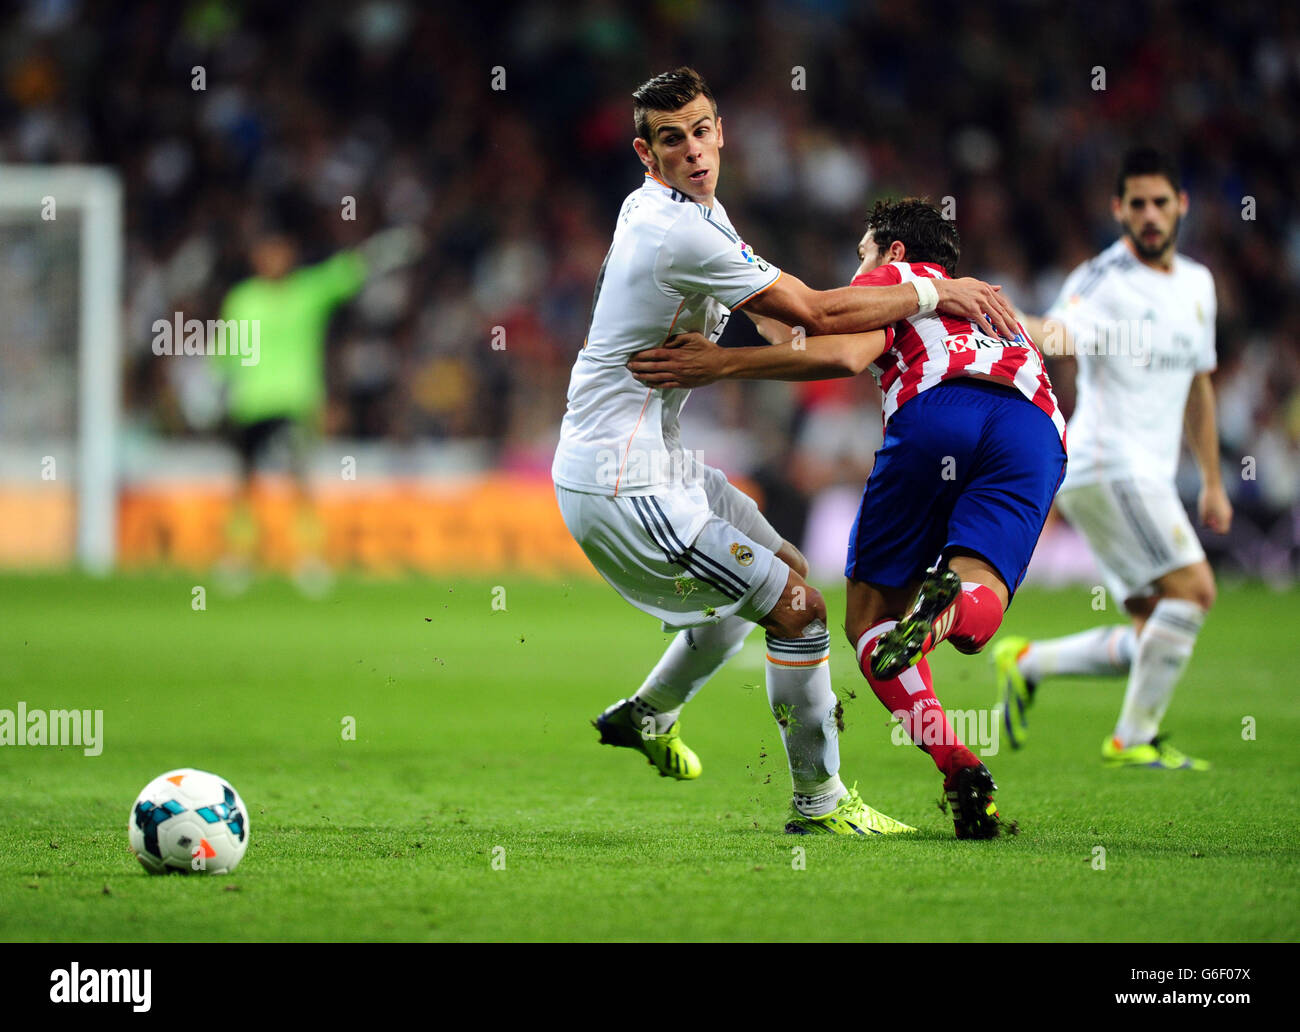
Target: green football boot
[
  {"x": 1156, "y": 753},
  {"x": 851, "y": 817},
  {"x": 665, "y": 751},
  {"x": 1015, "y": 693}
]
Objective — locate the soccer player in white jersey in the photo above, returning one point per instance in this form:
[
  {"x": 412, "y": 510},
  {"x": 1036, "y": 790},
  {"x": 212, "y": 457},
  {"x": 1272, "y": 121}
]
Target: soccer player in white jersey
[
  {"x": 668, "y": 532},
  {"x": 1139, "y": 319}
]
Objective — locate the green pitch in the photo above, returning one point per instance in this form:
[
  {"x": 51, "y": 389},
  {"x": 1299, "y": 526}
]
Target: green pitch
[{"x": 474, "y": 802}]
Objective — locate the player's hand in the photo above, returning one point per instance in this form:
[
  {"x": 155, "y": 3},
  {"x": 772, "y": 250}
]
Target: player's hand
[
  {"x": 390, "y": 249},
  {"x": 686, "y": 360},
  {"x": 1214, "y": 509},
  {"x": 980, "y": 302}
]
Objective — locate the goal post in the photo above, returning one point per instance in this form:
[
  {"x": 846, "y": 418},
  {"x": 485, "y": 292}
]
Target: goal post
[{"x": 32, "y": 196}]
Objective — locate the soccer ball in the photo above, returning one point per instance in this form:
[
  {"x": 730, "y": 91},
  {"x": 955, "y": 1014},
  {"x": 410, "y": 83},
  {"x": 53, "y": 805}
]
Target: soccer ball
[{"x": 188, "y": 820}]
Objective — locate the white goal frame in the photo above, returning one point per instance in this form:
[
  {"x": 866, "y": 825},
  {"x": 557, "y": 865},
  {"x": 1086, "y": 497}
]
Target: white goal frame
[{"x": 94, "y": 195}]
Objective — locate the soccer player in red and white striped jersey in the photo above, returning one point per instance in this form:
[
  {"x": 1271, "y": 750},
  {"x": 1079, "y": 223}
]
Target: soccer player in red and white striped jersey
[
  {"x": 974, "y": 451},
  {"x": 924, "y": 350}
]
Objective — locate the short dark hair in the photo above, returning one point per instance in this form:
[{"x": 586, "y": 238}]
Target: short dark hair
[
  {"x": 921, "y": 228},
  {"x": 1147, "y": 161},
  {"x": 668, "y": 91}
]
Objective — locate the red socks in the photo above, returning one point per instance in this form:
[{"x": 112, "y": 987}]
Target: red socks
[
  {"x": 978, "y": 617},
  {"x": 910, "y": 697}
]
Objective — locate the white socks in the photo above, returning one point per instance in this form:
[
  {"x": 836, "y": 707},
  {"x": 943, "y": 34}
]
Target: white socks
[
  {"x": 1154, "y": 662},
  {"x": 1096, "y": 652},
  {"x": 691, "y": 658},
  {"x": 1163, "y": 650},
  {"x": 799, "y": 692}
]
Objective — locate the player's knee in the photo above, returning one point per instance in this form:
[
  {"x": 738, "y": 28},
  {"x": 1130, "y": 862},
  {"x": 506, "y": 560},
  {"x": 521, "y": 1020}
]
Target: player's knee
[
  {"x": 818, "y": 606},
  {"x": 968, "y": 646},
  {"x": 1197, "y": 587},
  {"x": 807, "y": 608},
  {"x": 800, "y": 606},
  {"x": 1205, "y": 592}
]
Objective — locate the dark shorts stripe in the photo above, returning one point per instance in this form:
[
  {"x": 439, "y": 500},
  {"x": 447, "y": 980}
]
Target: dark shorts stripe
[
  {"x": 707, "y": 561},
  {"x": 640, "y": 514},
  {"x": 1131, "y": 504},
  {"x": 648, "y": 521},
  {"x": 682, "y": 559}
]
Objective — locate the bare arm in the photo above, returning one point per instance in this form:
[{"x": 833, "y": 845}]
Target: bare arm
[
  {"x": 858, "y": 309},
  {"x": 771, "y": 330},
  {"x": 1201, "y": 425},
  {"x": 692, "y": 360}
]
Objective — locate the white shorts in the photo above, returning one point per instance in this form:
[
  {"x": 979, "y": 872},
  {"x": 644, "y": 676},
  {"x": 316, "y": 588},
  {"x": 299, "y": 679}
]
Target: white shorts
[
  {"x": 1137, "y": 530},
  {"x": 692, "y": 555}
]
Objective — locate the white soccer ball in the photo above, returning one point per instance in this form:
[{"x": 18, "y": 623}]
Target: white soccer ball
[{"x": 189, "y": 821}]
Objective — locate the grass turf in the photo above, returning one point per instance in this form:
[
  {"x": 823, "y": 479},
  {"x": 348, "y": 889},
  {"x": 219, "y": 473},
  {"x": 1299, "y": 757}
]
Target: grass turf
[{"x": 473, "y": 744}]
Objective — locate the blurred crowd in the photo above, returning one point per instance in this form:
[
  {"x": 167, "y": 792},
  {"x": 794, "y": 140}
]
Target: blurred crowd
[{"x": 504, "y": 131}]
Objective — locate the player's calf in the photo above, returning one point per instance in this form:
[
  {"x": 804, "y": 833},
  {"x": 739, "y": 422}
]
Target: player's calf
[
  {"x": 801, "y": 698},
  {"x": 1164, "y": 648},
  {"x": 910, "y": 697}
]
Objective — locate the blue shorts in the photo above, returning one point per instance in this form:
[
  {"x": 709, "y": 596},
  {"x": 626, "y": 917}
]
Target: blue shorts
[{"x": 966, "y": 466}]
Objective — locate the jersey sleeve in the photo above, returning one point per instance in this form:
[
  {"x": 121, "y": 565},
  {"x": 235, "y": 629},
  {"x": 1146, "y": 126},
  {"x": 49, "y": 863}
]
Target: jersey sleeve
[
  {"x": 700, "y": 256},
  {"x": 1208, "y": 360},
  {"x": 332, "y": 281}
]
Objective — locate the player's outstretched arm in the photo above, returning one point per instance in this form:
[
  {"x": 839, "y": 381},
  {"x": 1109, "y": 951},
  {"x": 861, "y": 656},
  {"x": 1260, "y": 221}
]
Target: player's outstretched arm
[
  {"x": 859, "y": 309},
  {"x": 692, "y": 360},
  {"x": 1214, "y": 508},
  {"x": 391, "y": 249}
]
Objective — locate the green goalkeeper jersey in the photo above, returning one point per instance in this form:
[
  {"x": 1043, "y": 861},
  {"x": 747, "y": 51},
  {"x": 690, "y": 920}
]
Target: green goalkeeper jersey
[{"x": 292, "y": 316}]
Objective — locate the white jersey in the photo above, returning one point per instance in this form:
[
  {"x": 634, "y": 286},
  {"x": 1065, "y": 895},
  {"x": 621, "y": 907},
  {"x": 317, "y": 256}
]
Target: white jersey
[
  {"x": 674, "y": 266},
  {"x": 1140, "y": 336}
]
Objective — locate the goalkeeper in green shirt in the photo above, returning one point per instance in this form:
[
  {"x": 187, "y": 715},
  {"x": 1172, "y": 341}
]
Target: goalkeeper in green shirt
[{"x": 275, "y": 392}]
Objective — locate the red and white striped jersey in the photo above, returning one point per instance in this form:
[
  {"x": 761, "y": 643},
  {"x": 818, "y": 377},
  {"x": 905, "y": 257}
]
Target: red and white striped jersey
[{"x": 925, "y": 350}]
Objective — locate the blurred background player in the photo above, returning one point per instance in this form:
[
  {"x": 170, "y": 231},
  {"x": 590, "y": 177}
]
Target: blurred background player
[
  {"x": 278, "y": 400},
  {"x": 973, "y": 454},
  {"x": 1139, "y": 319},
  {"x": 667, "y": 532}
]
